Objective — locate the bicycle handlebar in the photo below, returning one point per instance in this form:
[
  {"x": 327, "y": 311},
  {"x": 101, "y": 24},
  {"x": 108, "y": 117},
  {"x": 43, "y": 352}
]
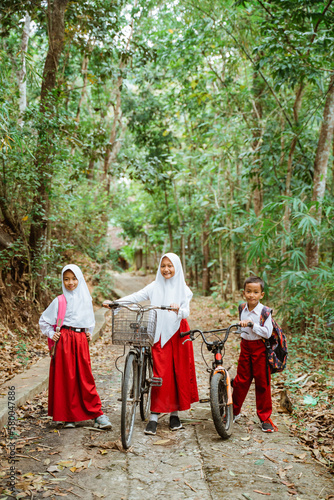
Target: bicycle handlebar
[
  {"x": 220, "y": 330},
  {"x": 135, "y": 305}
]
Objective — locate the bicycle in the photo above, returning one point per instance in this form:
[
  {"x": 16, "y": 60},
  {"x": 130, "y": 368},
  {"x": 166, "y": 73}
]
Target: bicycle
[
  {"x": 220, "y": 383},
  {"x": 134, "y": 325}
]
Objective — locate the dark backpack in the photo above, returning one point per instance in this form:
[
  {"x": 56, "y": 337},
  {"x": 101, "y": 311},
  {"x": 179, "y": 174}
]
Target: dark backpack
[{"x": 277, "y": 348}]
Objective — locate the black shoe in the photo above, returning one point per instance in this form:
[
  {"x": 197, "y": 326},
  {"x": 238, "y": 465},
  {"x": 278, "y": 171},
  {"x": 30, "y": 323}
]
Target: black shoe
[
  {"x": 268, "y": 426},
  {"x": 151, "y": 428},
  {"x": 174, "y": 423}
]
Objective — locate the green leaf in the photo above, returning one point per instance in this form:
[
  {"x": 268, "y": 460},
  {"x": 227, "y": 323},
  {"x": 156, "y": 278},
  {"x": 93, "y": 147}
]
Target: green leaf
[{"x": 310, "y": 400}]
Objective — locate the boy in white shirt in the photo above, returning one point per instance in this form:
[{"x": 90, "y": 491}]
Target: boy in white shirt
[{"x": 253, "y": 357}]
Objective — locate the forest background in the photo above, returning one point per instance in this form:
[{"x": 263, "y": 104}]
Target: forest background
[{"x": 201, "y": 128}]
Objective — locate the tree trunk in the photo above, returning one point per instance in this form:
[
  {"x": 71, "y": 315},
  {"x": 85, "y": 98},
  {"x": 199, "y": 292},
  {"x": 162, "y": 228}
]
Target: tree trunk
[
  {"x": 56, "y": 30},
  {"x": 170, "y": 229},
  {"x": 289, "y": 173},
  {"x": 221, "y": 270},
  {"x": 233, "y": 271},
  {"x": 181, "y": 226},
  {"x": 332, "y": 184},
  {"x": 83, "y": 93},
  {"x": 320, "y": 173},
  {"x": 110, "y": 149},
  {"x": 258, "y": 88},
  {"x": 113, "y": 133},
  {"x": 191, "y": 270},
  {"x": 22, "y": 73},
  {"x": 206, "y": 256},
  {"x": 230, "y": 223},
  {"x": 91, "y": 164}
]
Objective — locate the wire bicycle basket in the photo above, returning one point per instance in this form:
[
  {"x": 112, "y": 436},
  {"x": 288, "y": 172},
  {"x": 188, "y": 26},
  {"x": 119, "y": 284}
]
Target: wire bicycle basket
[{"x": 133, "y": 327}]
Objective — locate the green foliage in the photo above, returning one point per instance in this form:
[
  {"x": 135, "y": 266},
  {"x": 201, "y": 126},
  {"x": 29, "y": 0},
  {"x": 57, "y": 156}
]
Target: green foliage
[
  {"x": 309, "y": 301},
  {"x": 22, "y": 353},
  {"x": 196, "y": 108},
  {"x": 103, "y": 285}
]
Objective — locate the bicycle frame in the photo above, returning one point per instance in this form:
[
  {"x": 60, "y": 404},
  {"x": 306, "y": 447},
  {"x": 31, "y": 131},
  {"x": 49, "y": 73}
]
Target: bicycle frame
[
  {"x": 217, "y": 347},
  {"x": 139, "y": 352},
  {"x": 220, "y": 369}
]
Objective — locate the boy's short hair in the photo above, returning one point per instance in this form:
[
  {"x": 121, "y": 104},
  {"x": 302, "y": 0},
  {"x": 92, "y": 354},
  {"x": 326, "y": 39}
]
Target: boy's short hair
[{"x": 254, "y": 279}]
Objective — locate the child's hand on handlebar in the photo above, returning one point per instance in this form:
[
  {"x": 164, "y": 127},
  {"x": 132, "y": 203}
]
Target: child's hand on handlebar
[
  {"x": 109, "y": 304},
  {"x": 175, "y": 308},
  {"x": 246, "y": 322}
]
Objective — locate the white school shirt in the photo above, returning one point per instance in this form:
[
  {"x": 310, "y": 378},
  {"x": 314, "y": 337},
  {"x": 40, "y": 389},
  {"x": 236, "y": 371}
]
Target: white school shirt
[
  {"x": 257, "y": 332},
  {"x": 48, "y": 329},
  {"x": 146, "y": 294}
]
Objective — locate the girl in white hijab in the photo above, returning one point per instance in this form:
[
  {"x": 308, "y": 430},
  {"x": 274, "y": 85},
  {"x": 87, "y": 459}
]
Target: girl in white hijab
[
  {"x": 173, "y": 359},
  {"x": 72, "y": 393}
]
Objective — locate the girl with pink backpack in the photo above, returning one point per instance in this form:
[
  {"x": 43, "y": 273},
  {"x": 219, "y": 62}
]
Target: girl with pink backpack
[{"x": 68, "y": 323}]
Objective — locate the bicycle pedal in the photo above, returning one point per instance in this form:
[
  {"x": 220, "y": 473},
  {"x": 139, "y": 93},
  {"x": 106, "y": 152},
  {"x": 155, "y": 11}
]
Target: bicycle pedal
[
  {"x": 204, "y": 400},
  {"x": 156, "y": 382}
]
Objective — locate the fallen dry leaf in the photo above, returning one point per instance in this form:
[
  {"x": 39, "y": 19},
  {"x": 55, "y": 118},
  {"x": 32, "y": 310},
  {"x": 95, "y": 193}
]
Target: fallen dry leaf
[
  {"x": 189, "y": 486},
  {"x": 163, "y": 441},
  {"x": 269, "y": 458}
]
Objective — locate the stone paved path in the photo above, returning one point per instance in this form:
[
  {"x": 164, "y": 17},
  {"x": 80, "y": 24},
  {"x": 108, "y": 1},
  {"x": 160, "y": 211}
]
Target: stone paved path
[{"x": 193, "y": 463}]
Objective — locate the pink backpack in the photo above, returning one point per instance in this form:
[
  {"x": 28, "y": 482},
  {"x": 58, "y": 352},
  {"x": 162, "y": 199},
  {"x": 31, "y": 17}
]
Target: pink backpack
[{"x": 60, "y": 317}]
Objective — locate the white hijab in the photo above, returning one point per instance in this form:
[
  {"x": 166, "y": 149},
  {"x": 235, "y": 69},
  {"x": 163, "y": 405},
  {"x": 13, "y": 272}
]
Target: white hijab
[
  {"x": 79, "y": 308},
  {"x": 166, "y": 292}
]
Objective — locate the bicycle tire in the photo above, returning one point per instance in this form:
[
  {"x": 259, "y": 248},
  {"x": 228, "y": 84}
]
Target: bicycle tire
[
  {"x": 222, "y": 413},
  {"x": 129, "y": 399},
  {"x": 146, "y": 388}
]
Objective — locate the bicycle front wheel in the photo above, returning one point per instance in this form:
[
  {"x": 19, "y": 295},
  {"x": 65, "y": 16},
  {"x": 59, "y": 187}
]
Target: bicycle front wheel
[
  {"x": 129, "y": 399},
  {"x": 222, "y": 413},
  {"x": 145, "y": 388}
]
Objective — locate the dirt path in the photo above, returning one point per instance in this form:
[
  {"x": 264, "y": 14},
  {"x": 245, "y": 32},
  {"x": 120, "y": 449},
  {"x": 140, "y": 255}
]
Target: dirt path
[
  {"x": 193, "y": 463},
  {"x": 126, "y": 283}
]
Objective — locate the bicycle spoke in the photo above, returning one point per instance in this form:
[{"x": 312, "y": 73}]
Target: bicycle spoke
[
  {"x": 129, "y": 399},
  {"x": 145, "y": 396}
]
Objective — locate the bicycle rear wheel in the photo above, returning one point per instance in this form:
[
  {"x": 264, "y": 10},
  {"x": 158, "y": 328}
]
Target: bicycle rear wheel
[
  {"x": 145, "y": 387},
  {"x": 222, "y": 413},
  {"x": 129, "y": 399}
]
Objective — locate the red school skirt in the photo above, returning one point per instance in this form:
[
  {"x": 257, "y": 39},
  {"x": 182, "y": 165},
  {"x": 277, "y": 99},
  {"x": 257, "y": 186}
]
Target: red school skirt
[
  {"x": 175, "y": 364},
  {"x": 72, "y": 392}
]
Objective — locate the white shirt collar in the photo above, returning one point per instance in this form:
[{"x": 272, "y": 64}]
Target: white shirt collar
[{"x": 257, "y": 310}]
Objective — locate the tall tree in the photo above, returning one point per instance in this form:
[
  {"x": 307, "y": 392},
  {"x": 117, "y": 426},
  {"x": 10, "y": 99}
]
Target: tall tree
[
  {"x": 44, "y": 169},
  {"x": 320, "y": 172}
]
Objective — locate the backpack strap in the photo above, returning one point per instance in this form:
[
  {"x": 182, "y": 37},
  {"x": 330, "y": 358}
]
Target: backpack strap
[
  {"x": 265, "y": 313},
  {"x": 241, "y": 307},
  {"x": 60, "y": 319},
  {"x": 61, "y": 310}
]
